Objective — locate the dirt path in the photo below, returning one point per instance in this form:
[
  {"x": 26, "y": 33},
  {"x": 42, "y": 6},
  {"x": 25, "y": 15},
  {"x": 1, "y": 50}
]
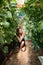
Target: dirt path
[{"x": 29, "y": 57}]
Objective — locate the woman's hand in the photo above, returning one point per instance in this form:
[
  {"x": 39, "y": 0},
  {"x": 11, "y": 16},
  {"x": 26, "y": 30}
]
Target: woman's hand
[
  {"x": 25, "y": 33},
  {"x": 21, "y": 37}
]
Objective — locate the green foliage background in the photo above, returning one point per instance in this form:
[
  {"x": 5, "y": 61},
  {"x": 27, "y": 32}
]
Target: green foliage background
[
  {"x": 33, "y": 21},
  {"x": 8, "y": 21},
  {"x": 34, "y": 12}
]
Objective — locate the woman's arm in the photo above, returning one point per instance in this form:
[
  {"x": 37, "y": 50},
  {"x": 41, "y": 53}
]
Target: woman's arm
[{"x": 20, "y": 38}]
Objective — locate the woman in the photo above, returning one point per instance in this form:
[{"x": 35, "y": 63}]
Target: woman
[{"x": 21, "y": 40}]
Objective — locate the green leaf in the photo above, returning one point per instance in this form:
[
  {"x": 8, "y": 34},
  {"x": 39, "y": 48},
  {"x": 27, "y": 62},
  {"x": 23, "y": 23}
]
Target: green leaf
[
  {"x": 5, "y": 49},
  {"x": 6, "y": 24},
  {"x": 40, "y": 27},
  {"x": 9, "y": 15}
]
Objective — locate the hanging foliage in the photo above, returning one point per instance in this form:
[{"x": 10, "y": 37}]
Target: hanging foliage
[{"x": 8, "y": 22}]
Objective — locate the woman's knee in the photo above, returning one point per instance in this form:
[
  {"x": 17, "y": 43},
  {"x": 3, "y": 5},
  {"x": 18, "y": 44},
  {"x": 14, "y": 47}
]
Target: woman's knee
[{"x": 22, "y": 44}]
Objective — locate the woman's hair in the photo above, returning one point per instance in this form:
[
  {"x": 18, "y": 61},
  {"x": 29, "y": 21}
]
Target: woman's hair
[
  {"x": 17, "y": 31},
  {"x": 19, "y": 27}
]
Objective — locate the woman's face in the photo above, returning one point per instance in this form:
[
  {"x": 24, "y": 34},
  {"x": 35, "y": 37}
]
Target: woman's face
[{"x": 20, "y": 31}]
